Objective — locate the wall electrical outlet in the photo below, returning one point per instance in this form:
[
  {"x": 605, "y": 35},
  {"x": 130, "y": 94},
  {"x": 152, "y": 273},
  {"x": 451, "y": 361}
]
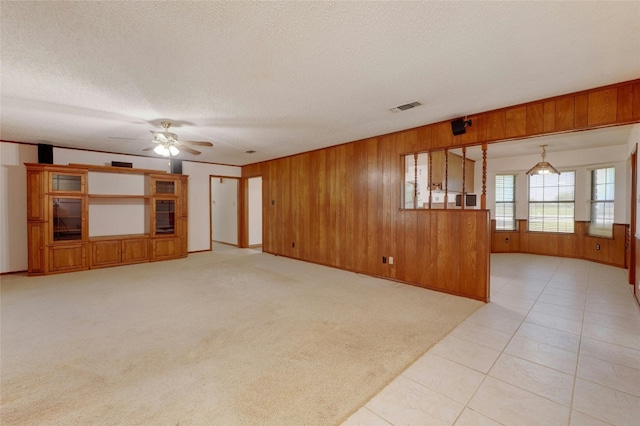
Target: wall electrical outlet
[
  {"x": 506, "y": 240},
  {"x": 390, "y": 260},
  {"x": 597, "y": 246},
  {"x": 384, "y": 259}
]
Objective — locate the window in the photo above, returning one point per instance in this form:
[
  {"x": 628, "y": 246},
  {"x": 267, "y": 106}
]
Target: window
[
  {"x": 552, "y": 202},
  {"x": 416, "y": 180},
  {"x": 505, "y": 202},
  {"x": 602, "y": 197}
]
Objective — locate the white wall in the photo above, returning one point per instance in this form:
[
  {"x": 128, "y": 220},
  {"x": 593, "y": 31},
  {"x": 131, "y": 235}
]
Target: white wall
[
  {"x": 224, "y": 210},
  {"x": 13, "y": 204},
  {"x": 581, "y": 161},
  {"x": 199, "y": 177},
  {"x": 13, "y": 194},
  {"x": 255, "y": 211}
]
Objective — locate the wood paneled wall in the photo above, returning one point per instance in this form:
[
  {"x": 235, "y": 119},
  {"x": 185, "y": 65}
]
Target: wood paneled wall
[
  {"x": 339, "y": 206},
  {"x": 578, "y": 245}
]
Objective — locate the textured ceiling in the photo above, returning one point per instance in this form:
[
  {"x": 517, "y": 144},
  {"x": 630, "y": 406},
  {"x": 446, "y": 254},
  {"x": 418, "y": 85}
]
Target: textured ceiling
[{"x": 286, "y": 77}]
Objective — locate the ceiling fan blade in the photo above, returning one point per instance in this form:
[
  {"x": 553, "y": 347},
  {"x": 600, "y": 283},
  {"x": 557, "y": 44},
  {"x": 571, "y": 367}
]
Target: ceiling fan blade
[
  {"x": 127, "y": 139},
  {"x": 150, "y": 147},
  {"x": 197, "y": 143},
  {"x": 189, "y": 150}
]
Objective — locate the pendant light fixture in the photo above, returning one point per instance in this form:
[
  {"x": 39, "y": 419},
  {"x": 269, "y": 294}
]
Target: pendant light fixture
[{"x": 543, "y": 168}]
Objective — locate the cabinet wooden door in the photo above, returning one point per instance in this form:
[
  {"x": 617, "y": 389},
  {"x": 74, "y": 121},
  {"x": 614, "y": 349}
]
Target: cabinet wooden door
[
  {"x": 36, "y": 209},
  {"x": 165, "y": 248},
  {"x": 135, "y": 250},
  {"x": 37, "y": 234},
  {"x": 105, "y": 253},
  {"x": 64, "y": 258}
]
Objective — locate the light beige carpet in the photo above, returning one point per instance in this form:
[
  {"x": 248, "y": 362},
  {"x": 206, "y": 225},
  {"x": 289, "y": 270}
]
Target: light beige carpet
[{"x": 229, "y": 338}]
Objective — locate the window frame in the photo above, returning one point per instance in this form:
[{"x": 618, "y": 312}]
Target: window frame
[
  {"x": 605, "y": 230},
  {"x": 512, "y": 202},
  {"x": 549, "y": 203}
]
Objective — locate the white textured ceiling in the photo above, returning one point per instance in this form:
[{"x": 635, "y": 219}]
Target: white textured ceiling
[{"x": 286, "y": 77}]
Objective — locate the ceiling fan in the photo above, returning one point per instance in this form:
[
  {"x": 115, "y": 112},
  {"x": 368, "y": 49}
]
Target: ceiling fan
[{"x": 167, "y": 144}]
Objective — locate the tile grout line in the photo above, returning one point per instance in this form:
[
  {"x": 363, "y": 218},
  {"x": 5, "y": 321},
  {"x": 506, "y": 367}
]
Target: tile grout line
[{"x": 501, "y": 353}]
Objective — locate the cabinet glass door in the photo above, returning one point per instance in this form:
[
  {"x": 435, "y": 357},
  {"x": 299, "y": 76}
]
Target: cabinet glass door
[
  {"x": 66, "y": 183},
  {"x": 67, "y": 219},
  {"x": 165, "y": 187},
  {"x": 165, "y": 217}
]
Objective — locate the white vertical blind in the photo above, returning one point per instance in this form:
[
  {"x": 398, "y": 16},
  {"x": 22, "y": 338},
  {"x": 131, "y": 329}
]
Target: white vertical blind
[
  {"x": 505, "y": 202},
  {"x": 552, "y": 202}
]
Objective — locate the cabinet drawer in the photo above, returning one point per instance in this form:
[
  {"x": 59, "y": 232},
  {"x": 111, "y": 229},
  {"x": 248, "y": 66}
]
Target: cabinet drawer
[
  {"x": 165, "y": 248},
  {"x": 68, "y": 258},
  {"x": 105, "y": 253},
  {"x": 135, "y": 250}
]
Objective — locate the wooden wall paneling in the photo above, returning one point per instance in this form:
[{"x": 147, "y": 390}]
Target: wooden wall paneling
[
  {"x": 516, "y": 122},
  {"x": 300, "y": 209},
  {"x": 496, "y": 125},
  {"x": 352, "y": 209},
  {"x": 390, "y": 171},
  {"x": 413, "y": 140},
  {"x": 581, "y": 111},
  {"x": 549, "y": 117},
  {"x": 325, "y": 231},
  {"x": 470, "y": 246},
  {"x": 618, "y": 245},
  {"x": 332, "y": 240},
  {"x": 284, "y": 205},
  {"x": 624, "y": 110},
  {"x": 442, "y": 136},
  {"x": 636, "y": 101},
  {"x": 577, "y": 245},
  {"x": 447, "y": 248},
  {"x": 374, "y": 216},
  {"x": 344, "y": 245},
  {"x": 564, "y": 113},
  {"x": 480, "y": 125},
  {"x": 305, "y": 203},
  {"x": 423, "y": 253},
  {"x": 535, "y": 118},
  {"x": 407, "y": 246},
  {"x": 603, "y": 106},
  {"x": 483, "y": 264},
  {"x": 361, "y": 203},
  {"x": 470, "y": 136}
]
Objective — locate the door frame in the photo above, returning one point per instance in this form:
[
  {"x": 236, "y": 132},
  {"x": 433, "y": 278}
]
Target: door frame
[{"x": 239, "y": 208}]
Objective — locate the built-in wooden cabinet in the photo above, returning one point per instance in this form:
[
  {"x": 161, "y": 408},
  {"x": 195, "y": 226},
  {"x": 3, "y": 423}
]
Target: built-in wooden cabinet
[{"x": 144, "y": 219}]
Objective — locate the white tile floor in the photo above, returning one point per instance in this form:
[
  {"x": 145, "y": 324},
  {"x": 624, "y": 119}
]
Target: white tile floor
[{"x": 559, "y": 344}]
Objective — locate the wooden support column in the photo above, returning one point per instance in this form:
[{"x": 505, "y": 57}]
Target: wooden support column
[
  {"x": 446, "y": 178},
  {"x": 430, "y": 176},
  {"x": 483, "y": 197},
  {"x": 463, "y": 197}
]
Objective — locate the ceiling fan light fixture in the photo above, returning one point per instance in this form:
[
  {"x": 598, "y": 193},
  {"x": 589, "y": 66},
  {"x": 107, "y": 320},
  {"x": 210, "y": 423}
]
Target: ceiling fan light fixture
[
  {"x": 543, "y": 167},
  {"x": 173, "y": 150},
  {"x": 162, "y": 150}
]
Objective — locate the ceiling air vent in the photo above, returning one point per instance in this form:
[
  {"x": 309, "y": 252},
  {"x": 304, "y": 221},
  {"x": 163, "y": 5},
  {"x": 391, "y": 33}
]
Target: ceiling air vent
[{"x": 405, "y": 107}]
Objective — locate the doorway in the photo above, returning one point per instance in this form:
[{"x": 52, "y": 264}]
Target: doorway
[{"x": 224, "y": 210}]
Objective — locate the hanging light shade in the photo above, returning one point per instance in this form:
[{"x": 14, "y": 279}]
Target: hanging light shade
[
  {"x": 166, "y": 150},
  {"x": 543, "y": 168},
  {"x": 162, "y": 150}
]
